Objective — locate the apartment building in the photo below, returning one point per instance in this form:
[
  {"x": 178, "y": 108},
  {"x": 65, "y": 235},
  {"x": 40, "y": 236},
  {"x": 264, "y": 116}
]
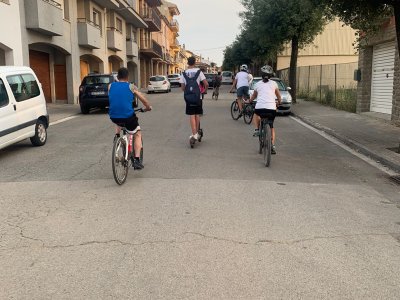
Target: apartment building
[
  {"x": 64, "y": 40},
  {"x": 333, "y": 46}
]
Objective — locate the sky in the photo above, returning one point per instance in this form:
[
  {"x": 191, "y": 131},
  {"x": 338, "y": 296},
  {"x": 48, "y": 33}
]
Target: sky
[{"x": 206, "y": 27}]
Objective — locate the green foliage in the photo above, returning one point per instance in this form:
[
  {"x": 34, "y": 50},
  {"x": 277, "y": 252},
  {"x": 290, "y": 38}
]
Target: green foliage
[{"x": 366, "y": 16}]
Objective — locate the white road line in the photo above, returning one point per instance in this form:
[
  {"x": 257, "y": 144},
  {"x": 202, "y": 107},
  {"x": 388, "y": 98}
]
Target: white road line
[
  {"x": 63, "y": 120},
  {"x": 347, "y": 148}
]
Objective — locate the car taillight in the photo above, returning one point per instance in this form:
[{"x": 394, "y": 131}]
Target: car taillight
[{"x": 165, "y": 82}]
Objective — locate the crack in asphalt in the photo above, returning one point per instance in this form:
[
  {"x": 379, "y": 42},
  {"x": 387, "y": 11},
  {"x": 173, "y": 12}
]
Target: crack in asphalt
[{"x": 203, "y": 236}]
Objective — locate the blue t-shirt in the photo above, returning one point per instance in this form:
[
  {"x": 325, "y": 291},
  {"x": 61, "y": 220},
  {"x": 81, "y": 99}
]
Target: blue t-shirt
[{"x": 120, "y": 98}]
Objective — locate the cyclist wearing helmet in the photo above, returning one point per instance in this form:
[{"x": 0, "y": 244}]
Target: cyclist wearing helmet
[
  {"x": 242, "y": 83},
  {"x": 266, "y": 91}
]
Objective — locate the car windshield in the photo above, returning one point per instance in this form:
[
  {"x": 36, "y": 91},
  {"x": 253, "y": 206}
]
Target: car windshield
[
  {"x": 89, "y": 80},
  {"x": 209, "y": 76},
  {"x": 157, "y": 78},
  {"x": 227, "y": 74},
  {"x": 173, "y": 76},
  {"x": 280, "y": 83}
]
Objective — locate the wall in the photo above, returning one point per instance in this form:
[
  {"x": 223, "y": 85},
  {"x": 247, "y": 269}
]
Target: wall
[
  {"x": 333, "y": 46},
  {"x": 11, "y": 44}
]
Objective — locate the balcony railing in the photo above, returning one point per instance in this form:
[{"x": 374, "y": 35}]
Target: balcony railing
[
  {"x": 44, "y": 16},
  {"x": 115, "y": 39},
  {"x": 151, "y": 48},
  {"x": 89, "y": 34},
  {"x": 132, "y": 49},
  {"x": 152, "y": 19},
  {"x": 174, "y": 25},
  {"x": 153, "y": 3}
]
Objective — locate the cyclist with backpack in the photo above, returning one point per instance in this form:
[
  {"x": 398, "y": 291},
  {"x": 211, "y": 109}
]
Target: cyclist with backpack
[
  {"x": 217, "y": 84},
  {"x": 190, "y": 84}
]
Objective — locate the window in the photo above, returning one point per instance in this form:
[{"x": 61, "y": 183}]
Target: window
[
  {"x": 65, "y": 5},
  {"x": 24, "y": 87},
  {"x": 96, "y": 17},
  {"x": 93, "y": 80},
  {"x": 3, "y": 94},
  {"x": 118, "y": 24}
]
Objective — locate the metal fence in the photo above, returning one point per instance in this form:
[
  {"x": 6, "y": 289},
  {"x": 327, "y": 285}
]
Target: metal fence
[{"x": 332, "y": 85}]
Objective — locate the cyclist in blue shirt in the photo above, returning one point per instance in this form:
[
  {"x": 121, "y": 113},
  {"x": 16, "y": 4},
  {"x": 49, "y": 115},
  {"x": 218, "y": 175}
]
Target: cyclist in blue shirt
[{"x": 121, "y": 95}]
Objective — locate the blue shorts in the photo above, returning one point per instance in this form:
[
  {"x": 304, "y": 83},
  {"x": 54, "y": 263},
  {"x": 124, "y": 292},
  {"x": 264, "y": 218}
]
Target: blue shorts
[{"x": 243, "y": 91}]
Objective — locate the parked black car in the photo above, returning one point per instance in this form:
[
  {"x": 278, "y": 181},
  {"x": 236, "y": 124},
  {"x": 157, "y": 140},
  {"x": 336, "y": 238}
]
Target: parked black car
[
  {"x": 210, "y": 79},
  {"x": 93, "y": 91}
]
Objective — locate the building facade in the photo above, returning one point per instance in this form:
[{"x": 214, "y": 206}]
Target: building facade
[
  {"x": 335, "y": 45},
  {"x": 378, "y": 88},
  {"x": 64, "y": 40}
]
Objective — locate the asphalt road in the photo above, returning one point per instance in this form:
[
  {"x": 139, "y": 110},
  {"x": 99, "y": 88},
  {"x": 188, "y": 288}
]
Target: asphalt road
[{"x": 204, "y": 223}]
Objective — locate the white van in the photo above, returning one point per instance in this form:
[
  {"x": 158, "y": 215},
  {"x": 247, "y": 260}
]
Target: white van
[
  {"x": 23, "y": 112},
  {"x": 227, "y": 77}
]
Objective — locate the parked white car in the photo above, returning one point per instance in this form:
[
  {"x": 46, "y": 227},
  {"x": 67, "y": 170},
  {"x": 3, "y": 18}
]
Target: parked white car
[
  {"x": 286, "y": 104},
  {"x": 174, "y": 79},
  {"x": 227, "y": 77},
  {"x": 23, "y": 112},
  {"x": 159, "y": 83}
]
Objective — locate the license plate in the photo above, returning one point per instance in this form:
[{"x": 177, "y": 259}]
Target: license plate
[
  {"x": 98, "y": 93},
  {"x": 156, "y": 88}
]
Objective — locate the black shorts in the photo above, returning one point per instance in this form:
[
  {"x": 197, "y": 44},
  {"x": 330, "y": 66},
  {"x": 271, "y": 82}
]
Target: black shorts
[
  {"x": 266, "y": 113},
  {"x": 242, "y": 91},
  {"x": 194, "y": 109},
  {"x": 132, "y": 123}
]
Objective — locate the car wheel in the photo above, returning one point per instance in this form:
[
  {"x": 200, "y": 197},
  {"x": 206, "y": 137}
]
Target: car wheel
[
  {"x": 85, "y": 109},
  {"x": 40, "y": 137}
]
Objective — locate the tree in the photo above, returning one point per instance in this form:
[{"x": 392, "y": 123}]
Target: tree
[
  {"x": 279, "y": 22},
  {"x": 366, "y": 16}
]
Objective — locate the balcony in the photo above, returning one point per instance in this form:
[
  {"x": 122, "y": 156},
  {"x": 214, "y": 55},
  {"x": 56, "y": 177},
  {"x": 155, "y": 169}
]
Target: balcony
[
  {"x": 132, "y": 49},
  {"x": 153, "y": 3},
  {"x": 174, "y": 25},
  {"x": 151, "y": 49},
  {"x": 151, "y": 18},
  {"x": 175, "y": 45},
  {"x": 110, "y": 4},
  {"x": 115, "y": 39},
  {"x": 44, "y": 16},
  {"x": 128, "y": 12},
  {"x": 89, "y": 34}
]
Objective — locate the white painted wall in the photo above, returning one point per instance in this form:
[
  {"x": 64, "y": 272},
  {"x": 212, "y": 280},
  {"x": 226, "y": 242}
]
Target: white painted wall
[{"x": 10, "y": 37}]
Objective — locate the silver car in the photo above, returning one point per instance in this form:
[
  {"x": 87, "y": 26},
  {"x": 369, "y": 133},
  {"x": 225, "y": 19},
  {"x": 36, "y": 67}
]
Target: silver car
[{"x": 286, "y": 104}]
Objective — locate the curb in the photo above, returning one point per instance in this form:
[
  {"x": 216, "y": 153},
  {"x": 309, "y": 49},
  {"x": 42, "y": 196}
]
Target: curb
[{"x": 351, "y": 143}]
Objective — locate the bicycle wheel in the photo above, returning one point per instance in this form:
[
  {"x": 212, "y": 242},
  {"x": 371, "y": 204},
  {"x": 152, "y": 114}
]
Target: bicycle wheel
[
  {"x": 141, "y": 153},
  {"x": 119, "y": 163},
  {"x": 267, "y": 144},
  {"x": 235, "y": 113},
  {"x": 248, "y": 112},
  {"x": 260, "y": 140}
]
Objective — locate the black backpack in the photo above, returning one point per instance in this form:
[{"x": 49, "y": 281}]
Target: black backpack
[{"x": 192, "y": 90}]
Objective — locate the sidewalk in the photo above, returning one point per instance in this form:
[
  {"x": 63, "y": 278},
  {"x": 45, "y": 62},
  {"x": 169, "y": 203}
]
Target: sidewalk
[
  {"x": 365, "y": 134},
  {"x": 60, "y": 111}
]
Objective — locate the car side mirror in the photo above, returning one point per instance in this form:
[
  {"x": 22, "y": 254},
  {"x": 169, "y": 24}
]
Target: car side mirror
[{"x": 288, "y": 88}]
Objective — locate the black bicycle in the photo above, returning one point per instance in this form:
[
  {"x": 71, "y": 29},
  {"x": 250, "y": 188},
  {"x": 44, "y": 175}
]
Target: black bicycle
[
  {"x": 265, "y": 139},
  {"x": 123, "y": 153}
]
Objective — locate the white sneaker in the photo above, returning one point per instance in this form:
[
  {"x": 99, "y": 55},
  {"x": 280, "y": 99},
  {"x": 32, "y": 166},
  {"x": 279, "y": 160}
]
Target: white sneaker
[{"x": 196, "y": 136}]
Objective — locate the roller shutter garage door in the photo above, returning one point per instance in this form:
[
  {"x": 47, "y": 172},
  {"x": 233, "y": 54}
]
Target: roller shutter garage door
[
  {"x": 40, "y": 63},
  {"x": 382, "y": 78}
]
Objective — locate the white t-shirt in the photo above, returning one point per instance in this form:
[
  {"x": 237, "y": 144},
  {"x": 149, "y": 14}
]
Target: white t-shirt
[
  {"x": 266, "y": 94},
  {"x": 243, "y": 79},
  {"x": 191, "y": 73}
]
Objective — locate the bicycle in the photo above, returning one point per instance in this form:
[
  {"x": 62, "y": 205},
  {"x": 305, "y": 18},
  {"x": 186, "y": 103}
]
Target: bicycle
[
  {"x": 235, "y": 111},
  {"x": 265, "y": 139},
  {"x": 122, "y": 153}
]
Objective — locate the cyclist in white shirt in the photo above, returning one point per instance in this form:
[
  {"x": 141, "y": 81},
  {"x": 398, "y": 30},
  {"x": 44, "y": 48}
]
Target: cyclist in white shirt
[
  {"x": 242, "y": 83},
  {"x": 266, "y": 91}
]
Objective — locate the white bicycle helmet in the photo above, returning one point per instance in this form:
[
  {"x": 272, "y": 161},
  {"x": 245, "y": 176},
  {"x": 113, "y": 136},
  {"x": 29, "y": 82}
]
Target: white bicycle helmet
[
  {"x": 244, "y": 68},
  {"x": 267, "y": 70}
]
